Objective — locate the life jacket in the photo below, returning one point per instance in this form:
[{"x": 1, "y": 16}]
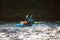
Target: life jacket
[{"x": 24, "y": 22}]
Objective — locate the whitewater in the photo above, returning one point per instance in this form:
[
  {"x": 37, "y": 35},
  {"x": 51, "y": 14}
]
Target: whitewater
[{"x": 45, "y": 31}]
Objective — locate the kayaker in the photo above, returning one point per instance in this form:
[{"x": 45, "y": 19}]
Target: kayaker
[{"x": 29, "y": 19}]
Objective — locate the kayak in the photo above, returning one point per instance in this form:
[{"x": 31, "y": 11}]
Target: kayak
[
  {"x": 22, "y": 24},
  {"x": 25, "y": 23},
  {"x": 37, "y": 22}
]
